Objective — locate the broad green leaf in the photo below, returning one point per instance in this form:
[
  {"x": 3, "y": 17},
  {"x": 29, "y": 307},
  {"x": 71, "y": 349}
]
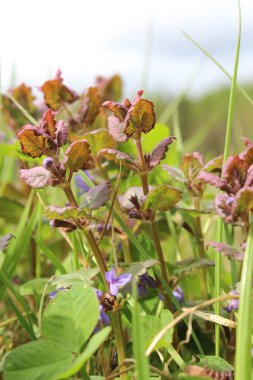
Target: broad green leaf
[
  {"x": 71, "y": 316},
  {"x": 61, "y": 213},
  {"x": 137, "y": 269},
  {"x": 39, "y": 360},
  {"x": 214, "y": 362},
  {"x": 77, "y": 155},
  {"x": 93, "y": 345},
  {"x": 162, "y": 198},
  {"x": 83, "y": 276},
  {"x": 35, "y": 286},
  {"x": 153, "y": 324},
  {"x": 99, "y": 139}
]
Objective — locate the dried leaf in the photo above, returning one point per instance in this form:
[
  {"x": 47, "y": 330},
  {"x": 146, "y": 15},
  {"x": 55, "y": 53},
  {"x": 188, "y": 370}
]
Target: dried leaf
[
  {"x": 38, "y": 177},
  {"x": 97, "y": 196},
  {"x": 159, "y": 152},
  {"x": 162, "y": 198},
  {"x": 34, "y": 143},
  {"x": 77, "y": 155},
  {"x": 90, "y": 105}
]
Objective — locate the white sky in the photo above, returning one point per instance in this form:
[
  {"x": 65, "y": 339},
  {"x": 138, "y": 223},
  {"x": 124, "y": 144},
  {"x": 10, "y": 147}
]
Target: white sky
[{"x": 141, "y": 40}]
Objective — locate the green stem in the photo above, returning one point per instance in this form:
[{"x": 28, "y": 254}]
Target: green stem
[
  {"x": 243, "y": 358},
  {"x": 225, "y": 157}
]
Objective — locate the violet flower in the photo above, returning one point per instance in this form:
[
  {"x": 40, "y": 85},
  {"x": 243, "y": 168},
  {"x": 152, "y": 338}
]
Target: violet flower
[
  {"x": 53, "y": 294},
  {"x": 233, "y": 303},
  {"x": 117, "y": 282},
  {"x": 81, "y": 184},
  {"x": 145, "y": 282},
  {"x": 179, "y": 294}
]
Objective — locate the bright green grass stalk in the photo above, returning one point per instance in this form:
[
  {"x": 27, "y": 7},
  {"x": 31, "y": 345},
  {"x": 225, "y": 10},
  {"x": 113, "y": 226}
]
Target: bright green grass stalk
[
  {"x": 243, "y": 358},
  {"x": 141, "y": 361},
  {"x": 225, "y": 157}
]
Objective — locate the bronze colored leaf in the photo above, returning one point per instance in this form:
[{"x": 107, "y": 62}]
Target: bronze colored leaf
[
  {"x": 56, "y": 93},
  {"x": 90, "y": 105},
  {"x": 162, "y": 198},
  {"x": 141, "y": 117},
  {"x": 159, "y": 152},
  {"x": 117, "y": 157},
  {"x": 34, "y": 143},
  {"x": 48, "y": 123},
  {"x": 77, "y": 155}
]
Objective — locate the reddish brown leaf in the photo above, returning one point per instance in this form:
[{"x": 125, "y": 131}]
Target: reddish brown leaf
[
  {"x": 117, "y": 157},
  {"x": 61, "y": 133},
  {"x": 56, "y": 93},
  {"x": 34, "y": 143},
  {"x": 110, "y": 88},
  {"x": 77, "y": 155},
  {"x": 159, "y": 152},
  {"x": 90, "y": 105},
  {"x": 141, "y": 117},
  {"x": 48, "y": 123}
]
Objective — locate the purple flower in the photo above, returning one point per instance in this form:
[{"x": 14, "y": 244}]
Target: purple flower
[
  {"x": 145, "y": 282},
  {"x": 55, "y": 292},
  {"x": 178, "y": 294},
  {"x": 234, "y": 303},
  {"x": 103, "y": 317},
  {"x": 117, "y": 282},
  {"x": 81, "y": 184}
]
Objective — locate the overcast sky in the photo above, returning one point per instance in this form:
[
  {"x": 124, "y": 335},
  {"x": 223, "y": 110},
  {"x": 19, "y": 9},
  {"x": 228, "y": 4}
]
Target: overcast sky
[{"x": 141, "y": 40}]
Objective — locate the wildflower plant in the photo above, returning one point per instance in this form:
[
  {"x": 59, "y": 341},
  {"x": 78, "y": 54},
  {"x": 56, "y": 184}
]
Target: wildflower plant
[{"x": 122, "y": 242}]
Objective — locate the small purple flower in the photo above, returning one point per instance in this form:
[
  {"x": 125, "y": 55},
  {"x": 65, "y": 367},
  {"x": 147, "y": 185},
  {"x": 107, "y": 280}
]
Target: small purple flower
[
  {"x": 145, "y": 282},
  {"x": 103, "y": 317},
  {"x": 81, "y": 184},
  {"x": 117, "y": 282},
  {"x": 55, "y": 292},
  {"x": 178, "y": 294},
  {"x": 234, "y": 303}
]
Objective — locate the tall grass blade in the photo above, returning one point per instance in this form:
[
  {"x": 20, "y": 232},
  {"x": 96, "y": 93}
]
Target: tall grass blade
[{"x": 243, "y": 360}]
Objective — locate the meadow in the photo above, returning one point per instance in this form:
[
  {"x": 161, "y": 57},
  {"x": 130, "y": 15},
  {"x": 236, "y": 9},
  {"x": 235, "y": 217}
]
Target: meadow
[{"x": 126, "y": 233}]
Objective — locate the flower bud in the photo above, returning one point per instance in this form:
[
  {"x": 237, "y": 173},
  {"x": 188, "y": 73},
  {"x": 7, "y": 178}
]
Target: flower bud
[{"x": 48, "y": 163}]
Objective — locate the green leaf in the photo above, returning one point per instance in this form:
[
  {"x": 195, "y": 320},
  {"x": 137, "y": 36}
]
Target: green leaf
[
  {"x": 35, "y": 286},
  {"x": 51, "y": 256},
  {"x": 99, "y": 139},
  {"x": 137, "y": 269},
  {"x": 188, "y": 265},
  {"x": 214, "y": 362},
  {"x": 153, "y": 324},
  {"x": 93, "y": 345},
  {"x": 162, "y": 198},
  {"x": 77, "y": 155},
  {"x": 71, "y": 316},
  {"x": 61, "y": 213},
  {"x": 83, "y": 276},
  {"x": 39, "y": 360},
  {"x": 89, "y": 107}
]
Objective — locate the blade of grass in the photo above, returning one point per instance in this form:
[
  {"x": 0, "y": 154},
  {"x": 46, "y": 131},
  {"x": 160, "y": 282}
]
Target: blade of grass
[
  {"x": 51, "y": 256},
  {"x": 141, "y": 360},
  {"x": 225, "y": 157},
  {"x": 243, "y": 359}
]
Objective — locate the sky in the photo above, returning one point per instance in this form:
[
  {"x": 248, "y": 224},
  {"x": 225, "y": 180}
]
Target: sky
[{"x": 142, "y": 40}]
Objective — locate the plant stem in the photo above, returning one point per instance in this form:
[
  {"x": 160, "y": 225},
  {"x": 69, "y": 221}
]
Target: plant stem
[
  {"x": 200, "y": 247},
  {"x": 115, "y": 316},
  {"x": 225, "y": 157},
  {"x": 243, "y": 337},
  {"x": 155, "y": 236}
]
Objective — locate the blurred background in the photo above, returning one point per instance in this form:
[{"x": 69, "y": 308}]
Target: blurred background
[{"x": 143, "y": 41}]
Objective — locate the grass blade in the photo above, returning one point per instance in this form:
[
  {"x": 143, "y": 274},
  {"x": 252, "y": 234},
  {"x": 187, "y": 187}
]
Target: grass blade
[
  {"x": 243, "y": 337},
  {"x": 51, "y": 256}
]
